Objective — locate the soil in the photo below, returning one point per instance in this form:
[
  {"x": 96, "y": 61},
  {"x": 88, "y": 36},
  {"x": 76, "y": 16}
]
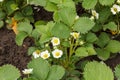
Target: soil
[
  {"x": 10, "y": 53},
  {"x": 41, "y": 14}
]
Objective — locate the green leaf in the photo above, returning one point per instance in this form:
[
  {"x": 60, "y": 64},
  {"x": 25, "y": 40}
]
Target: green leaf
[
  {"x": 35, "y": 34},
  {"x": 106, "y": 2},
  {"x": 44, "y": 38},
  {"x": 81, "y": 26},
  {"x": 89, "y": 4},
  {"x": 102, "y": 54},
  {"x": 81, "y": 52},
  {"x": 20, "y": 37},
  {"x": 40, "y": 22},
  {"x": 97, "y": 28},
  {"x": 9, "y": 72},
  {"x": 38, "y": 2},
  {"x": 67, "y": 15},
  {"x": 56, "y": 16},
  {"x": 117, "y": 72},
  {"x": 51, "y": 7},
  {"x": 55, "y": 1},
  {"x": 14, "y": 6},
  {"x": 8, "y": 8},
  {"x": 18, "y": 16},
  {"x": 97, "y": 71},
  {"x": 73, "y": 78},
  {"x": 56, "y": 73},
  {"x": 61, "y": 30},
  {"x": 81, "y": 64},
  {"x": 90, "y": 50},
  {"x": 20, "y": 78},
  {"x": 113, "y": 46},
  {"x": 67, "y": 4},
  {"x": 1, "y": 24},
  {"x": 30, "y": 78},
  {"x": 45, "y": 29},
  {"x": 31, "y": 50},
  {"x": 66, "y": 43},
  {"x": 103, "y": 39},
  {"x": 27, "y": 11},
  {"x": 40, "y": 68},
  {"x": 85, "y": 51},
  {"x": 111, "y": 26},
  {"x": 29, "y": 18},
  {"x": 2, "y": 15},
  {"x": 91, "y": 37},
  {"x": 75, "y": 72},
  {"x": 104, "y": 14},
  {"x": 25, "y": 26}
]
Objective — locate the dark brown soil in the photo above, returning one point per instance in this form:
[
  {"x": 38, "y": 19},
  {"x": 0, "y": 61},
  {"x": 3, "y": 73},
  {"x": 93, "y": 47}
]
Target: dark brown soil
[
  {"x": 41, "y": 14},
  {"x": 113, "y": 62},
  {"x": 10, "y": 53}
]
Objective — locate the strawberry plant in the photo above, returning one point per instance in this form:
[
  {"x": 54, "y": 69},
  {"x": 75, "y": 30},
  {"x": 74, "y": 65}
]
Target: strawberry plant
[{"x": 67, "y": 39}]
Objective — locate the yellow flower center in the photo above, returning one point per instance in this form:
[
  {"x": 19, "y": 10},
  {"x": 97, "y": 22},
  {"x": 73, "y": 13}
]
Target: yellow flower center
[
  {"x": 115, "y": 9},
  {"x": 57, "y": 54},
  {"x": 76, "y": 35},
  {"x": 38, "y": 51},
  {"x": 55, "y": 41},
  {"x": 45, "y": 55}
]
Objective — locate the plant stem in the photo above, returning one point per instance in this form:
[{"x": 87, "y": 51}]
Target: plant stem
[
  {"x": 28, "y": 76},
  {"x": 76, "y": 44},
  {"x": 71, "y": 49}
]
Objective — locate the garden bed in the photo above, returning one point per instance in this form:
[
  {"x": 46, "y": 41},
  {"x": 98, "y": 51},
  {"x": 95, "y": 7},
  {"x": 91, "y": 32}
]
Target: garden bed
[{"x": 55, "y": 37}]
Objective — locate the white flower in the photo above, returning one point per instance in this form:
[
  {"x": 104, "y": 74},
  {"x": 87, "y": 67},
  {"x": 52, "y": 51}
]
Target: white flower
[
  {"x": 45, "y": 54},
  {"x": 81, "y": 42},
  {"x": 92, "y": 18},
  {"x": 1, "y": 0},
  {"x": 57, "y": 53},
  {"x": 55, "y": 41},
  {"x": 75, "y": 35},
  {"x": 36, "y": 53},
  {"x": 77, "y": 17},
  {"x": 27, "y": 71},
  {"x": 95, "y": 14},
  {"x": 115, "y": 9},
  {"x": 118, "y": 1}
]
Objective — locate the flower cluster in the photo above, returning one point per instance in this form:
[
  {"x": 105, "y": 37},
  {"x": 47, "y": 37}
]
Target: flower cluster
[
  {"x": 114, "y": 9},
  {"x": 45, "y": 54}
]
